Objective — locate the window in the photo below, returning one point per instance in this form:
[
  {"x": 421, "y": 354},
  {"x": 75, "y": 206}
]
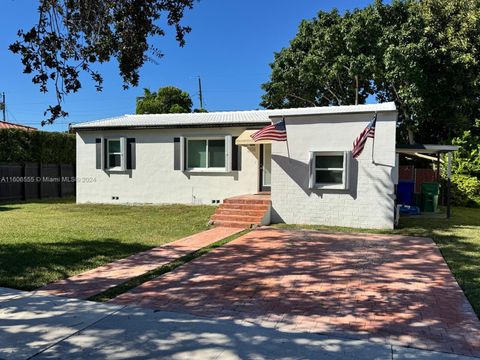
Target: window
[
  {"x": 329, "y": 170},
  {"x": 115, "y": 155},
  {"x": 206, "y": 154}
]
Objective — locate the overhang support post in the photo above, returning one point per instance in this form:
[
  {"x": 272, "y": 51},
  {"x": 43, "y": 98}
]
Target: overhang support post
[{"x": 449, "y": 175}]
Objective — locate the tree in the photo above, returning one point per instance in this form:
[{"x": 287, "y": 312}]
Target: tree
[
  {"x": 166, "y": 100},
  {"x": 421, "y": 54},
  {"x": 73, "y": 35}
]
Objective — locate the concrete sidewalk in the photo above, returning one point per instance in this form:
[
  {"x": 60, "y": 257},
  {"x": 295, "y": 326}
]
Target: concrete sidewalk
[{"x": 38, "y": 326}]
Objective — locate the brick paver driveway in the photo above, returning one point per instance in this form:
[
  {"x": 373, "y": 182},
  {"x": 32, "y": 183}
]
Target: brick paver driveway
[{"x": 391, "y": 289}]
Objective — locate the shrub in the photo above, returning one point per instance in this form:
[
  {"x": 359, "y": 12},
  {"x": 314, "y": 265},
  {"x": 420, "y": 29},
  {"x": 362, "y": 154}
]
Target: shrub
[
  {"x": 465, "y": 190},
  {"x": 36, "y": 146}
]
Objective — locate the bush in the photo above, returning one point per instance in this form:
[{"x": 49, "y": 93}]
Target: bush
[
  {"x": 465, "y": 190},
  {"x": 36, "y": 146}
]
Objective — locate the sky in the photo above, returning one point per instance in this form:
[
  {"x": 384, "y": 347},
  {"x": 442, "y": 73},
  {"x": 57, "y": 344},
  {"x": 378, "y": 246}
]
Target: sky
[{"x": 230, "y": 47}]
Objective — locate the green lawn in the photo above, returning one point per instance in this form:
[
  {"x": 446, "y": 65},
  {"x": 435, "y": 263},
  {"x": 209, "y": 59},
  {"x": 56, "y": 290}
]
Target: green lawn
[
  {"x": 457, "y": 238},
  {"x": 46, "y": 241}
]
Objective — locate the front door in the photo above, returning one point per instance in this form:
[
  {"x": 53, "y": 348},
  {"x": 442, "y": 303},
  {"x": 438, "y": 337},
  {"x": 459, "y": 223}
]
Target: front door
[{"x": 265, "y": 170}]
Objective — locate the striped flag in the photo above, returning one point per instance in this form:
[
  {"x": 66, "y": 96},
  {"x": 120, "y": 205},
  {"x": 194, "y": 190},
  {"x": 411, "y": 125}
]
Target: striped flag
[
  {"x": 276, "y": 132},
  {"x": 360, "y": 141}
]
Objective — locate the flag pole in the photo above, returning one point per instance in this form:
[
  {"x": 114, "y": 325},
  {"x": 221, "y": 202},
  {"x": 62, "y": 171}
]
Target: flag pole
[
  {"x": 373, "y": 144},
  {"x": 288, "y": 148}
]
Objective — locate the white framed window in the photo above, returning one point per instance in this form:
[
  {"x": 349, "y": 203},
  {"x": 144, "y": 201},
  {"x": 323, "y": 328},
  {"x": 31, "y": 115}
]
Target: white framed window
[
  {"x": 115, "y": 154},
  {"x": 329, "y": 169},
  {"x": 206, "y": 154}
]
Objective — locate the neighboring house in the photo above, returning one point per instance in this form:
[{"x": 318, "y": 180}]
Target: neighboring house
[
  {"x": 205, "y": 158},
  {"x": 9, "y": 125}
]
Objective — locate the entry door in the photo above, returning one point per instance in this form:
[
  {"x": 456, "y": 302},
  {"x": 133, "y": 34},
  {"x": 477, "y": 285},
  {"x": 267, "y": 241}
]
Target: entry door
[{"x": 265, "y": 167}]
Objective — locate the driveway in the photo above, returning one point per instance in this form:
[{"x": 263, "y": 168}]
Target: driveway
[{"x": 392, "y": 290}]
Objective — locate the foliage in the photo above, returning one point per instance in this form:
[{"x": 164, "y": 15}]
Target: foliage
[
  {"x": 467, "y": 159},
  {"x": 36, "y": 146},
  {"x": 465, "y": 190},
  {"x": 421, "y": 54},
  {"x": 167, "y": 100},
  {"x": 51, "y": 240},
  {"x": 72, "y": 35}
]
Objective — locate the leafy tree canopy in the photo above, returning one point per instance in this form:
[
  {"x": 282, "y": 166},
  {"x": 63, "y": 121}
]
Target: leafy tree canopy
[
  {"x": 72, "y": 35},
  {"x": 424, "y": 55},
  {"x": 167, "y": 100}
]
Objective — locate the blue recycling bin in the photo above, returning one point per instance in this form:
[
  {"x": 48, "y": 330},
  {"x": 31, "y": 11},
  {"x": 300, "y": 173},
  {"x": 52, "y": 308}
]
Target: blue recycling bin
[{"x": 405, "y": 191}]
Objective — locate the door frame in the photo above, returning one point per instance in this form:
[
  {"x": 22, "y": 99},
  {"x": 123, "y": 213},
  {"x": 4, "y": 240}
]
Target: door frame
[{"x": 261, "y": 161}]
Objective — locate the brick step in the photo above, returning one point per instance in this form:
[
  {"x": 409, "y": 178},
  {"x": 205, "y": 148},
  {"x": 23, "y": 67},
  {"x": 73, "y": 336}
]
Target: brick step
[
  {"x": 234, "y": 224},
  {"x": 256, "y": 207},
  {"x": 246, "y": 201},
  {"x": 239, "y": 212},
  {"x": 242, "y": 218}
]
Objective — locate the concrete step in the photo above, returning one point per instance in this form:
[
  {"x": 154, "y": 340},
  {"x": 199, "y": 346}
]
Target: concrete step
[
  {"x": 247, "y": 201},
  {"x": 239, "y": 212},
  {"x": 234, "y": 224},
  {"x": 255, "y": 207},
  {"x": 242, "y": 218}
]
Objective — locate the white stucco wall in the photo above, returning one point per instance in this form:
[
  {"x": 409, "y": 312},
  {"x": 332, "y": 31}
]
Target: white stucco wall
[
  {"x": 154, "y": 180},
  {"x": 368, "y": 203}
]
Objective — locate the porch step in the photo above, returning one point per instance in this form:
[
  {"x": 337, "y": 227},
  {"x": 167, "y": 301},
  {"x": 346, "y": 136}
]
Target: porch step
[
  {"x": 236, "y": 217},
  {"x": 240, "y": 201},
  {"x": 245, "y": 207},
  {"x": 242, "y": 211},
  {"x": 233, "y": 224}
]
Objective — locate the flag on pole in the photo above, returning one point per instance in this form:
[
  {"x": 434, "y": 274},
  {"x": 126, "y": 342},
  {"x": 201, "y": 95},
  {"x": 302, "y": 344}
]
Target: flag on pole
[
  {"x": 276, "y": 132},
  {"x": 368, "y": 132}
]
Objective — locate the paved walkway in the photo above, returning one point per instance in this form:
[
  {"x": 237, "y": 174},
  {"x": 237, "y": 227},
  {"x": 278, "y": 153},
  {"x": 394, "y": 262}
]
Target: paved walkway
[
  {"x": 393, "y": 290},
  {"x": 35, "y": 326},
  {"x": 95, "y": 281}
]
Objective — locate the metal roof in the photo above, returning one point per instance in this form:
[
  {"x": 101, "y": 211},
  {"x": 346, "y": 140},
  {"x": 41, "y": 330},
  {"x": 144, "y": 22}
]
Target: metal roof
[
  {"x": 9, "y": 125},
  {"x": 426, "y": 149},
  {"x": 226, "y": 118}
]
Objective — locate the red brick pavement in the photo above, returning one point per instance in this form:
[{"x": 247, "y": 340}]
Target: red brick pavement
[
  {"x": 392, "y": 289},
  {"x": 95, "y": 281}
]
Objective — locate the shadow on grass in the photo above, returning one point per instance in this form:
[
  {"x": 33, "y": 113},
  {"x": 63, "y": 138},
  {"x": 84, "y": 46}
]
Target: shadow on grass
[{"x": 29, "y": 266}]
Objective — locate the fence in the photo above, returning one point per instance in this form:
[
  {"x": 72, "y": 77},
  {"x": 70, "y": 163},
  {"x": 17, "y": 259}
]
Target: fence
[{"x": 35, "y": 181}]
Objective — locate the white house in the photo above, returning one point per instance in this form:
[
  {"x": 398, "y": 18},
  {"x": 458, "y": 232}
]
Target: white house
[{"x": 205, "y": 158}]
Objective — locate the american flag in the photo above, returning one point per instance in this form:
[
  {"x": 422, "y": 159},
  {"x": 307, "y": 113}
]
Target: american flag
[
  {"x": 276, "y": 132},
  {"x": 368, "y": 132}
]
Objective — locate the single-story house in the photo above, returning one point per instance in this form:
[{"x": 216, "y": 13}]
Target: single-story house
[{"x": 208, "y": 158}]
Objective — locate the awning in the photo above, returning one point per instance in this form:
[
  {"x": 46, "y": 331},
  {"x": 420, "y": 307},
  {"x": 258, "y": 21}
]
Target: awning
[
  {"x": 425, "y": 149},
  {"x": 245, "y": 139}
]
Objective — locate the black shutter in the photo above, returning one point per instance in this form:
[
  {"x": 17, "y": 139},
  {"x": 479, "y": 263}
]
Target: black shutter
[
  {"x": 131, "y": 161},
  {"x": 98, "y": 153},
  {"x": 176, "y": 153},
  {"x": 105, "y": 153},
  {"x": 236, "y": 155}
]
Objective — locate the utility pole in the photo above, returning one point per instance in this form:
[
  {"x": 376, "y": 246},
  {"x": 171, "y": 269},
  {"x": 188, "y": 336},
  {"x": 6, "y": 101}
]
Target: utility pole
[
  {"x": 4, "y": 107},
  {"x": 200, "y": 95}
]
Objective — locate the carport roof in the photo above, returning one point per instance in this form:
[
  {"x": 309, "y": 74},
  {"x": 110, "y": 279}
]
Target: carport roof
[
  {"x": 225, "y": 118},
  {"x": 426, "y": 149}
]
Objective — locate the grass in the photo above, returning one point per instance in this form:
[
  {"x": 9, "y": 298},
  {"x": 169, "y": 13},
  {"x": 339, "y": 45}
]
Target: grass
[
  {"x": 457, "y": 238},
  {"x": 134, "y": 282},
  {"x": 49, "y": 240}
]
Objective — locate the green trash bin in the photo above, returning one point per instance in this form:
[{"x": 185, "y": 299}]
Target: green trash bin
[{"x": 430, "y": 193}]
